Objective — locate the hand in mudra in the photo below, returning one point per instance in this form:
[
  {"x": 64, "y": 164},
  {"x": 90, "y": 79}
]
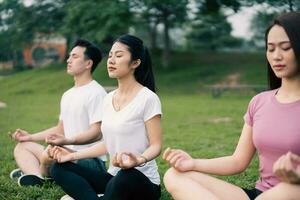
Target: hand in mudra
[
  {"x": 179, "y": 159},
  {"x": 126, "y": 160}
]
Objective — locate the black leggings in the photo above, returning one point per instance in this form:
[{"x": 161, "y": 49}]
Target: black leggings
[
  {"x": 84, "y": 183},
  {"x": 252, "y": 193}
]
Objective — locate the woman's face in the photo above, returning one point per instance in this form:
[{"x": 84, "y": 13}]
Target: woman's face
[
  {"x": 280, "y": 54},
  {"x": 119, "y": 62}
]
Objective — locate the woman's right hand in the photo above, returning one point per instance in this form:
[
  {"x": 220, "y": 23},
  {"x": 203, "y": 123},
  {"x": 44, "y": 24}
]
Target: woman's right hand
[
  {"x": 61, "y": 154},
  {"x": 179, "y": 159},
  {"x": 287, "y": 168}
]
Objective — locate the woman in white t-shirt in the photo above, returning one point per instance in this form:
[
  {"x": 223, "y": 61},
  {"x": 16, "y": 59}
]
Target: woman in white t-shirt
[{"x": 131, "y": 130}]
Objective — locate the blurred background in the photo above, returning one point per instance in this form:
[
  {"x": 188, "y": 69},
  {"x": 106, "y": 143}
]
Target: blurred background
[
  {"x": 208, "y": 58},
  {"x": 34, "y": 33}
]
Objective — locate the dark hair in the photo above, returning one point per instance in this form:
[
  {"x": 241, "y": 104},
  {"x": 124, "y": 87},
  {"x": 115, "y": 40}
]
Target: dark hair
[
  {"x": 143, "y": 73},
  {"x": 91, "y": 52},
  {"x": 290, "y": 22}
]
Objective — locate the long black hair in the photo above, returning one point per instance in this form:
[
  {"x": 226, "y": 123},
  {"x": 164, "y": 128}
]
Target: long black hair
[
  {"x": 143, "y": 73},
  {"x": 290, "y": 22}
]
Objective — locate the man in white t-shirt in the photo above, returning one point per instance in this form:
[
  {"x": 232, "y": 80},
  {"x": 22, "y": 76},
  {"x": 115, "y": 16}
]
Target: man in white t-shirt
[{"x": 79, "y": 121}]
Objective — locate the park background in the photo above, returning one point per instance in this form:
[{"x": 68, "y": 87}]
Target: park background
[{"x": 205, "y": 75}]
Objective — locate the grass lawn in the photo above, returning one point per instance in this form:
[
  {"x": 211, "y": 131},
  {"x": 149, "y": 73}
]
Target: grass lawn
[{"x": 193, "y": 120}]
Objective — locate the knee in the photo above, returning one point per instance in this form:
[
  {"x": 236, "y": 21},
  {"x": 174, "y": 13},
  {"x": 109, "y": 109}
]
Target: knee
[
  {"x": 279, "y": 192},
  {"x": 21, "y": 146},
  {"x": 170, "y": 178},
  {"x": 123, "y": 177}
]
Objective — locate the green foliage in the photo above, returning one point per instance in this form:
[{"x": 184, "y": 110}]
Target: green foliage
[
  {"x": 259, "y": 24},
  {"x": 281, "y": 5},
  {"x": 22, "y": 23},
  {"x": 170, "y": 13},
  {"x": 210, "y": 29},
  {"x": 97, "y": 20},
  {"x": 211, "y": 32}
]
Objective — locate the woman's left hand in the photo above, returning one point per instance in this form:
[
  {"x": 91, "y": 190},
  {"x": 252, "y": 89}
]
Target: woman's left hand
[
  {"x": 287, "y": 168},
  {"x": 126, "y": 160}
]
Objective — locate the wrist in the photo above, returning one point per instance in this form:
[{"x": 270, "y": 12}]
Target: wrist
[
  {"x": 32, "y": 138},
  {"x": 193, "y": 166},
  {"x": 142, "y": 161},
  {"x": 75, "y": 155}
]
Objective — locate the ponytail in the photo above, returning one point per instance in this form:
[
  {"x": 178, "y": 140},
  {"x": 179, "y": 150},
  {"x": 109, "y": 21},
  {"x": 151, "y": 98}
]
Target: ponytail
[{"x": 143, "y": 73}]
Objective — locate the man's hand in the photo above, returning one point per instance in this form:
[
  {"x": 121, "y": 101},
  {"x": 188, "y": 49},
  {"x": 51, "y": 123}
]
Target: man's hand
[
  {"x": 58, "y": 139},
  {"x": 21, "y": 136}
]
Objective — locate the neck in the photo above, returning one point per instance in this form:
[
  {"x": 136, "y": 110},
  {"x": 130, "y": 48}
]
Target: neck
[
  {"x": 127, "y": 84},
  {"x": 292, "y": 84},
  {"x": 82, "y": 79},
  {"x": 290, "y": 87}
]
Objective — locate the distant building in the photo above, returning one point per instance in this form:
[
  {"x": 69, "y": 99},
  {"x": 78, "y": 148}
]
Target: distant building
[
  {"x": 45, "y": 50},
  {"x": 6, "y": 65}
]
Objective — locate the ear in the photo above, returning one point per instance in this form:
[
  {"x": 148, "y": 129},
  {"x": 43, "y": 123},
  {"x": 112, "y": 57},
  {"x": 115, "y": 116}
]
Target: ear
[
  {"x": 89, "y": 64},
  {"x": 135, "y": 63}
]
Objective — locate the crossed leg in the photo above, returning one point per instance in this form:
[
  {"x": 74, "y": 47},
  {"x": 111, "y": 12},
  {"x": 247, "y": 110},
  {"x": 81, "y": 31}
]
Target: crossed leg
[
  {"x": 27, "y": 156},
  {"x": 282, "y": 191},
  {"x": 196, "y": 185}
]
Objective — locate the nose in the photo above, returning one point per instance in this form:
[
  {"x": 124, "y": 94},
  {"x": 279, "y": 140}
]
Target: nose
[
  {"x": 69, "y": 60},
  {"x": 110, "y": 60},
  {"x": 277, "y": 54}
]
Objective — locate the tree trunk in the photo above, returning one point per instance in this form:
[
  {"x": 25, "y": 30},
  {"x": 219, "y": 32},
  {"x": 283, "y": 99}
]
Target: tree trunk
[
  {"x": 166, "y": 51},
  {"x": 15, "y": 61},
  {"x": 290, "y": 2},
  {"x": 153, "y": 35}
]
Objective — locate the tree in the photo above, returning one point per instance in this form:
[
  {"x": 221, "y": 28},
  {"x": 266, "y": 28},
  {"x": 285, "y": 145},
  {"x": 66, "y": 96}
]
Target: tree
[
  {"x": 20, "y": 24},
  {"x": 170, "y": 13},
  {"x": 259, "y": 23},
  {"x": 99, "y": 21},
  {"x": 13, "y": 33},
  {"x": 264, "y": 17},
  {"x": 281, "y": 5},
  {"x": 210, "y": 29}
]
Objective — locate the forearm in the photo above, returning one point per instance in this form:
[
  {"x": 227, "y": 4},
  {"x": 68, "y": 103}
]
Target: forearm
[
  {"x": 96, "y": 150},
  {"x": 93, "y": 134},
  {"x": 151, "y": 152},
  {"x": 85, "y": 138},
  {"x": 224, "y": 166},
  {"x": 43, "y": 134}
]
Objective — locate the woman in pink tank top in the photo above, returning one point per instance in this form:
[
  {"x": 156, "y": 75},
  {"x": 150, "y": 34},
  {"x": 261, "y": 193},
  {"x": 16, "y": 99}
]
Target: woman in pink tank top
[{"x": 271, "y": 129}]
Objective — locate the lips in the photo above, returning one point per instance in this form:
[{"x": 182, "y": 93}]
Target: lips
[
  {"x": 111, "y": 68},
  {"x": 279, "y": 66}
]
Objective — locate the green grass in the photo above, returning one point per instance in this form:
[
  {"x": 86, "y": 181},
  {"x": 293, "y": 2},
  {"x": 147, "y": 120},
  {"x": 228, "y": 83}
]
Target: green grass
[{"x": 192, "y": 120}]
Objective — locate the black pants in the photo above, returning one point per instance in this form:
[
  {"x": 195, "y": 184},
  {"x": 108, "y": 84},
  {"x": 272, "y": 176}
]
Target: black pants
[
  {"x": 252, "y": 193},
  {"x": 84, "y": 183}
]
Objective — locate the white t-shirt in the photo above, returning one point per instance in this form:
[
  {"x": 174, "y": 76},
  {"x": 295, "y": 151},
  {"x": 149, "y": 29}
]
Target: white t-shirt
[
  {"x": 125, "y": 130},
  {"x": 79, "y": 108}
]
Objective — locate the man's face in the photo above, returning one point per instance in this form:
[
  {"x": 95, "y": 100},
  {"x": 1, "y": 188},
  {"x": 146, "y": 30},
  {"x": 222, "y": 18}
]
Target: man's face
[{"x": 76, "y": 63}]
